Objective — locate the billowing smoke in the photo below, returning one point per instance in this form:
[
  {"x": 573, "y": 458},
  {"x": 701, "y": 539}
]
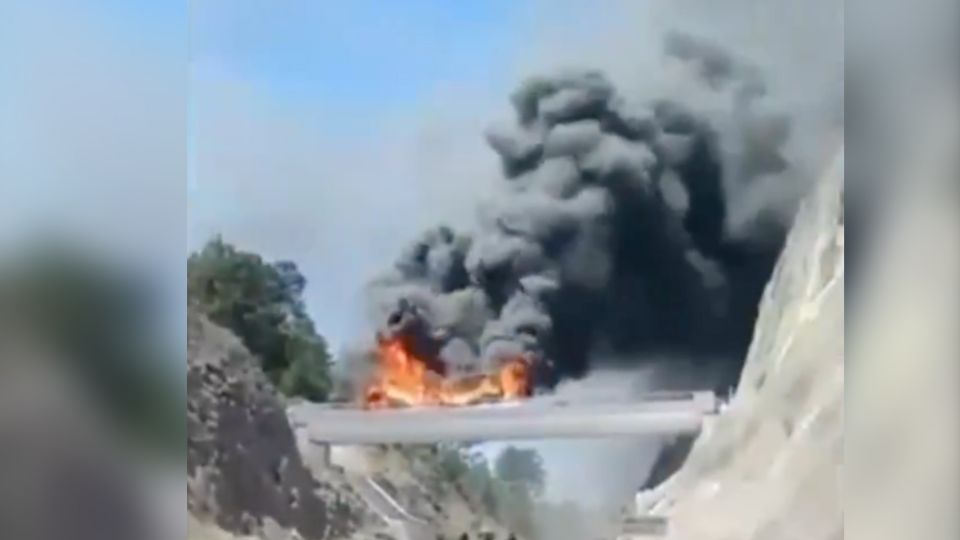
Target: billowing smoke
[{"x": 627, "y": 227}]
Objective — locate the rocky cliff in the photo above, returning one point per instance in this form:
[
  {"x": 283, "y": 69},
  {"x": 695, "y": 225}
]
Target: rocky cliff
[
  {"x": 769, "y": 466},
  {"x": 773, "y": 465},
  {"x": 244, "y": 471},
  {"x": 249, "y": 477}
]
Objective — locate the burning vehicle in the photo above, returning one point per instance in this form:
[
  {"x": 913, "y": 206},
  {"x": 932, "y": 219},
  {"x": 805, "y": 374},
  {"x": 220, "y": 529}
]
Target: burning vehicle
[
  {"x": 405, "y": 379},
  {"x": 409, "y": 372}
]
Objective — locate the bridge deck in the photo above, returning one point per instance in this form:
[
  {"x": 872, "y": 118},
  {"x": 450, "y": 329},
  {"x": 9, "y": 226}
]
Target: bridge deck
[{"x": 534, "y": 419}]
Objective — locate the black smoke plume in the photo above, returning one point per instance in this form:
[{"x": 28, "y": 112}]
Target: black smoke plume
[{"x": 611, "y": 237}]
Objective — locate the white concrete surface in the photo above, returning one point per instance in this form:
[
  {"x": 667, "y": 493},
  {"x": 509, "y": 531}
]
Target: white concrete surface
[{"x": 660, "y": 414}]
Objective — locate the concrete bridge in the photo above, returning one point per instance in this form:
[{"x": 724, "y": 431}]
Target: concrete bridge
[{"x": 537, "y": 418}]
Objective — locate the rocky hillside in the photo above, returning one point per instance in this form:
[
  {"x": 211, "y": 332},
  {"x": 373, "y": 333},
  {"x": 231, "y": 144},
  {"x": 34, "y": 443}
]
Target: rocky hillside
[
  {"x": 250, "y": 478},
  {"x": 244, "y": 471},
  {"x": 769, "y": 466},
  {"x": 411, "y": 475}
]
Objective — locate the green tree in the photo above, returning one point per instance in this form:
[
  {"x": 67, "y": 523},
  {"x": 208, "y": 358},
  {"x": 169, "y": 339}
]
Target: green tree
[
  {"x": 521, "y": 468},
  {"x": 262, "y": 303},
  {"x": 520, "y": 481},
  {"x": 509, "y": 489},
  {"x": 515, "y": 507},
  {"x": 481, "y": 482},
  {"x": 451, "y": 462}
]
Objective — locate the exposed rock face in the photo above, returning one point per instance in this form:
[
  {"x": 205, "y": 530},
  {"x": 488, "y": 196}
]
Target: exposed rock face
[
  {"x": 769, "y": 466},
  {"x": 773, "y": 465},
  {"x": 244, "y": 469},
  {"x": 249, "y": 479}
]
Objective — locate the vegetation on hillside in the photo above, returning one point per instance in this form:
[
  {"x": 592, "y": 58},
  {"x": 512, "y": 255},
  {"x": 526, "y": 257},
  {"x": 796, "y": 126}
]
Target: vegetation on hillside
[
  {"x": 262, "y": 303},
  {"x": 509, "y": 489}
]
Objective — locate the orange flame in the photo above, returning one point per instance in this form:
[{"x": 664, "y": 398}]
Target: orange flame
[{"x": 403, "y": 379}]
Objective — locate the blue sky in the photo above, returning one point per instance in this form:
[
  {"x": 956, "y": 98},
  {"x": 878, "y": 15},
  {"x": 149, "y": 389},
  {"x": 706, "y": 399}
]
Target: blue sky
[
  {"x": 337, "y": 82},
  {"x": 353, "y": 55},
  {"x": 331, "y": 133}
]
